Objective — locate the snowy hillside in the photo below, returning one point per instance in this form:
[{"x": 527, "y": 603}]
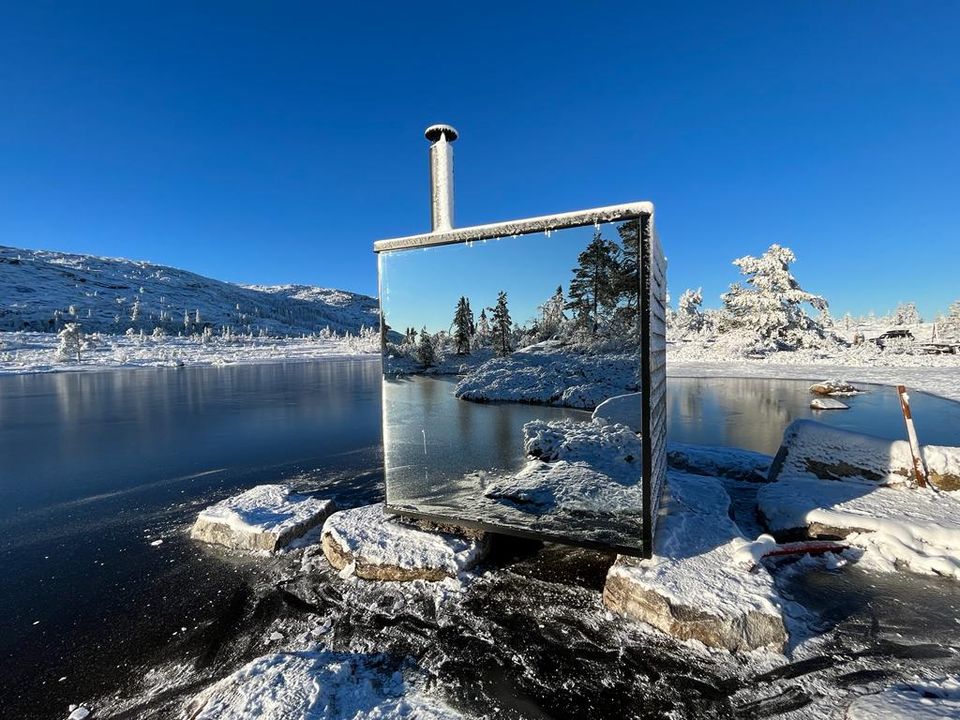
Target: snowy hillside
[{"x": 41, "y": 290}]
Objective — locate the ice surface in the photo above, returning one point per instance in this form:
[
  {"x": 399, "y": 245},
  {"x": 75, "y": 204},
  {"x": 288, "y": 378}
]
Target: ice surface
[{"x": 917, "y": 700}]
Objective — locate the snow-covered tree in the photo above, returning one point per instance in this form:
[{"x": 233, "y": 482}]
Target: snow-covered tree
[
  {"x": 770, "y": 308},
  {"x": 158, "y": 333},
  {"x": 135, "y": 310},
  {"x": 502, "y": 325},
  {"x": 595, "y": 288},
  {"x": 463, "y": 326},
  {"x": 552, "y": 316},
  {"x": 951, "y": 323},
  {"x": 483, "y": 329},
  {"x": 70, "y": 341},
  {"x": 425, "y": 354},
  {"x": 688, "y": 319},
  {"x": 906, "y": 314}
]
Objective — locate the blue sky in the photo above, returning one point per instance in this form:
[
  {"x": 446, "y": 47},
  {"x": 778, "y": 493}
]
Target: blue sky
[{"x": 274, "y": 142}]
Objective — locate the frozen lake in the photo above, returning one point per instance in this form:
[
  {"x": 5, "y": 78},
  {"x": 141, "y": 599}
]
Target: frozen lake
[{"x": 96, "y": 468}]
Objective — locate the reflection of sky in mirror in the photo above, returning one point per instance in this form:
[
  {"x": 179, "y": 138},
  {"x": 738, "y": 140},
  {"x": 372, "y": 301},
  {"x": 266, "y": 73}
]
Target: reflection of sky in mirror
[{"x": 421, "y": 287}]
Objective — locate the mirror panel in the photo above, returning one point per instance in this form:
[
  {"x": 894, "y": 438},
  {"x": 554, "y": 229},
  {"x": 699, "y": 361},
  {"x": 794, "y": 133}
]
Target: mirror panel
[{"x": 495, "y": 354}]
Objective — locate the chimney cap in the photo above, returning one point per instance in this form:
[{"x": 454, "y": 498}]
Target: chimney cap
[{"x": 435, "y": 132}]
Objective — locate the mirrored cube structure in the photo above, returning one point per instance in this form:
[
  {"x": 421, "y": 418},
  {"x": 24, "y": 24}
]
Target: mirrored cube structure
[{"x": 498, "y": 343}]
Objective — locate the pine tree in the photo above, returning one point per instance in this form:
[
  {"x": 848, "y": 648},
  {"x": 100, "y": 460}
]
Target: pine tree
[
  {"x": 425, "y": 354},
  {"x": 595, "y": 288},
  {"x": 502, "y": 325},
  {"x": 772, "y": 307},
  {"x": 483, "y": 328},
  {"x": 463, "y": 326},
  {"x": 552, "y": 316},
  {"x": 689, "y": 317}
]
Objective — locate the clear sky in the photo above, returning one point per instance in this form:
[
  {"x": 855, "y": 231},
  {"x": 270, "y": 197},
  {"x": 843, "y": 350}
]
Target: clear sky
[{"x": 273, "y": 142}]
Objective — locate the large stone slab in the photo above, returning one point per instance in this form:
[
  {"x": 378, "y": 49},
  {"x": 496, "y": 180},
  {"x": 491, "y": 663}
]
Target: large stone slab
[
  {"x": 704, "y": 581},
  {"x": 814, "y": 450},
  {"x": 376, "y": 546},
  {"x": 264, "y": 518}
]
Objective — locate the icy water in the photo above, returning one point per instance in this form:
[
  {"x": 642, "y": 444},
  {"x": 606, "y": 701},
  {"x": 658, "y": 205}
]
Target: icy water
[
  {"x": 752, "y": 413},
  {"x": 101, "y": 474}
]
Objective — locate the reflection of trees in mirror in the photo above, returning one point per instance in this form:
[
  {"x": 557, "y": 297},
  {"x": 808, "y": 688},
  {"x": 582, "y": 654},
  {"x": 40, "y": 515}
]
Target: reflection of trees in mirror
[{"x": 597, "y": 314}]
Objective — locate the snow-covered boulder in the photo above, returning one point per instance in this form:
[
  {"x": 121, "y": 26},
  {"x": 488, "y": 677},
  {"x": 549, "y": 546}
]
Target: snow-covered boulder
[
  {"x": 826, "y": 403},
  {"x": 919, "y": 700},
  {"x": 812, "y": 449},
  {"x": 320, "y": 686},
  {"x": 264, "y": 518},
  {"x": 372, "y": 545},
  {"x": 704, "y": 581},
  {"x": 575, "y": 467},
  {"x": 623, "y": 409},
  {"x": 834, "y": 387}
]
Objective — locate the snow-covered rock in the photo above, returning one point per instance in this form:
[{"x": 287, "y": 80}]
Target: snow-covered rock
[
  {"x": 896, "y": 525},
  {"x": 812, "y": 449},
  {"x": 552, "y": 374},
  {"x": 319, "y": 686},
  {"x": 826, "y": 403},
  {"x": 78, "y": 713},
  {"x": 834, "y": 387},
  {"x": 918, "y": 700},
  {"x": 704, "y": 581},
  {"x": 575, "y": 467},
  {"x": 265, "y": 518},
  {"x": 623, "y": 409},
  {"x": 366, "y": 542}
]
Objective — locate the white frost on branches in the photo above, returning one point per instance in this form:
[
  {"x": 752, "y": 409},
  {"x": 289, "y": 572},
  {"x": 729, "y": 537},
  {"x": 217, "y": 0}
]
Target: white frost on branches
[{"x": 770, "y": 307}]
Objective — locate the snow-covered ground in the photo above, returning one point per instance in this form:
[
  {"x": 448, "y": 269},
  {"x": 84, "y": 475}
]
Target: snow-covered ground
[
  {"x": 938, "y": 374},
  {"x": 28, "y": 352},
  {"x": 320, "y": 686},
  {"x": 42, "y": 290},
  {"x": 552, "y": 373}
]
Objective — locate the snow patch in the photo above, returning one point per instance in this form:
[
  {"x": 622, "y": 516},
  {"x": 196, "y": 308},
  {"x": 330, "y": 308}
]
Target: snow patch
[{"x": 321, "y": 686}]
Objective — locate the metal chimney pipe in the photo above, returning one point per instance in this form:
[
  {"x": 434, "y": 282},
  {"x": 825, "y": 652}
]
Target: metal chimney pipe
[{"x": 441, "y": 138}]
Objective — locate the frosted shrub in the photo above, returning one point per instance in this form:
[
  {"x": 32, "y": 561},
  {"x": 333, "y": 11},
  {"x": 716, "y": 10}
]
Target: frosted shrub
[{"x": 70, "y": 339}]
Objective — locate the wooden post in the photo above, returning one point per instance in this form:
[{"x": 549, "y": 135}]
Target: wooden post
[{"x": 919, "y": 467}]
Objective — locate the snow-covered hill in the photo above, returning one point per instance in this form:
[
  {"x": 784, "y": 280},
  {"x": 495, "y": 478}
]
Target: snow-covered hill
[{"x": 41, "y": 290}]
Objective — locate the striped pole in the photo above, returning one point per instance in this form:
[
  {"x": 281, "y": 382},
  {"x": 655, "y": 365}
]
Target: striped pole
[{"x": 919, "y": 468}]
